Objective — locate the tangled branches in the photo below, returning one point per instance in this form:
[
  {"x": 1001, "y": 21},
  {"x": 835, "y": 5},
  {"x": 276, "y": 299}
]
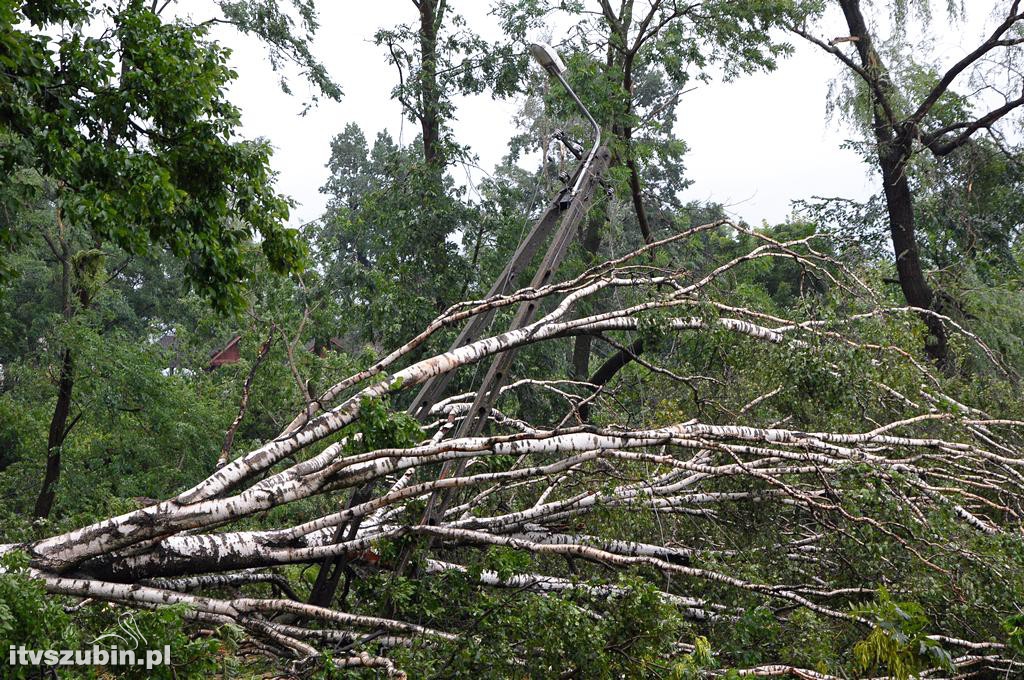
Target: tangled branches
[{"x": 709, "y": 487}]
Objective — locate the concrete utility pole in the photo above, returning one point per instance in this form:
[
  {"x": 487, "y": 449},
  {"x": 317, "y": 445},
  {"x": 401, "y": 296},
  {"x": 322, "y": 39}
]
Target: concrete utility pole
[{"x": 569, "y": 208}]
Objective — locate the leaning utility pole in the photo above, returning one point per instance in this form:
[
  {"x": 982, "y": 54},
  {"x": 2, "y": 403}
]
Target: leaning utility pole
[{"x": 566, "y": 210}]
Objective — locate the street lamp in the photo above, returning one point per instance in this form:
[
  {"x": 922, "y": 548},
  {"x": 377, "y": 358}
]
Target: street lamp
[{"x": 549, "y": 60}]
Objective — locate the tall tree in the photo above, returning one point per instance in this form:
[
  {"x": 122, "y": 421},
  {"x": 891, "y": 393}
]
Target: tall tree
[
  {"x": 394, "y": 229},
  {"x": 908, "y": 116},
  {"x": 438, "y": 58},
  {"x": 649, "y": 51},
  {"x": 132, "y": 133},
  {"x": 389, "y": 237}
]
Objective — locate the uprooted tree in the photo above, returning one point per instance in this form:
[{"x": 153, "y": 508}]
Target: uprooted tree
[{"x": 672, "y": 501}]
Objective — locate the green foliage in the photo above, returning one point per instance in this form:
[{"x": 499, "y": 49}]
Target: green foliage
[
  {"x": 1014, "y": 628},
  {"x": 385, "y": 206},
  {"x": 192, "y": 657},
  {"x": 131, "y": 416},
  {"x": 692, "y": 665},
  {"x": 142, "y": 151},
  {"x": 28, "y": 615},
  {"x": 379, "y": 427},
  {"x": 504, "y": 562},
  {"x": 813, "y": 641},
  {"x": 286, "y": 41},
  {"x": 31, "y": 618},
  {"x": 753, "y": 637},
  {"x": 544, "y": 636},
  {"x": 898, "y": 643}
]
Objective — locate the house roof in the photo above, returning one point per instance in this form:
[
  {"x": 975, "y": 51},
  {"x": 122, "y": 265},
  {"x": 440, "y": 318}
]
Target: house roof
[{"x": 228, "y": 354}]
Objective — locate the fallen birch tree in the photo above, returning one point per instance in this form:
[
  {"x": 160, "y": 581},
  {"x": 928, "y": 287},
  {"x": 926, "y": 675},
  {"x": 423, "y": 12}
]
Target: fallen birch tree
[{"x": 726, "y": 513}]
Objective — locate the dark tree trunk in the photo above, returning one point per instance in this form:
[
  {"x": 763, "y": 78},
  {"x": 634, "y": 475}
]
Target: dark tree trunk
[
  {"x": 581, "y": 357},
  {"x": 894, "y": 148},
  {"x": 65, "y": 384},
  {"x": 625, "y": 132},
  {"x": 610, "y": 368},
  {"x": 899, "y": 203},
  {"x": 591, "y": 242},
  {"x": 431, "y": 14},
  {"x": 636, "y": 192},
  {"x": 55, "y": 439}
]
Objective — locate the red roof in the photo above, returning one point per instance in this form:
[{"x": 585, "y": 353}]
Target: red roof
[{"x": 231, "y": 354}]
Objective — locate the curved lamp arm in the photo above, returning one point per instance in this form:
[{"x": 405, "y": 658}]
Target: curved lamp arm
[{"x": 549, "y": 60}]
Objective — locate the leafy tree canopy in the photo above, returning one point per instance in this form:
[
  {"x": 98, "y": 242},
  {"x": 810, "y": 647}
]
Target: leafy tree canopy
[{"x": 121, "y": 115}]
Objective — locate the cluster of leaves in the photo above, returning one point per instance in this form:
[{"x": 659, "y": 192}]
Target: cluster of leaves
[
  {"x": 388, "y": 239},
  {"x": 899, "y": 642},
  {"x": 513, "y": 634},
  {"x": 132, "y": 131}
]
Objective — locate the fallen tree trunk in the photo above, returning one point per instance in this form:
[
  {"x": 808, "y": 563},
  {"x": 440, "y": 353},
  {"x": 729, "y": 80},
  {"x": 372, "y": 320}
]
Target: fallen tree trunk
[{"x": 578, "y": 493}]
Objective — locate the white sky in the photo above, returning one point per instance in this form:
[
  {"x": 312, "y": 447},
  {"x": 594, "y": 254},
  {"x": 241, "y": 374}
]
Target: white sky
[{"x": 755, "y": 144}]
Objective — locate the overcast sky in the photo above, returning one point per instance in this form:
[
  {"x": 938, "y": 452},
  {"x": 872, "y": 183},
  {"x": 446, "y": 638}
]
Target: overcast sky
[{"x": 755, "y": 144}]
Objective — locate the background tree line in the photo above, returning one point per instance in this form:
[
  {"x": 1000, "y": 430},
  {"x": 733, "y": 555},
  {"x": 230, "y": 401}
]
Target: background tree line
[{"x": 140, "y": 234}]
